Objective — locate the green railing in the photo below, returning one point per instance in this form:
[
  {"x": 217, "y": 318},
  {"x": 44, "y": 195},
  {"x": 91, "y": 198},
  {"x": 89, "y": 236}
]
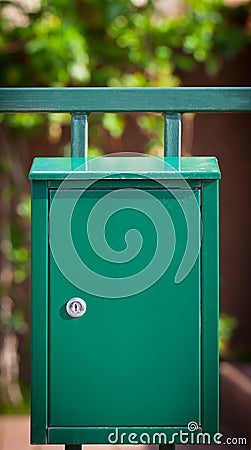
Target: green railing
[{"x": 81, "y": 102}]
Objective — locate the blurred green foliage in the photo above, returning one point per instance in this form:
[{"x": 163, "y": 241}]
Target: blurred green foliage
[
  {"x": 102, "y": 42},
  {"x": 22, "y": 408},
  {"x": 227, "y": 326},
  {"x": 14, "y": 323},
  {"x": 107, "y": 43}
]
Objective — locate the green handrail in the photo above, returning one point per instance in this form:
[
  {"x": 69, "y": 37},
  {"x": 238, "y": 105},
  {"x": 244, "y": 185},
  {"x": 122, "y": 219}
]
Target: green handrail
[
  {"x": 80, "y": 102},
  {"x": 172, "y": 100}
]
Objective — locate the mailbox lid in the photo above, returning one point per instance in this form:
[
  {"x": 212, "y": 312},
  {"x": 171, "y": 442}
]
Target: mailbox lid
[
  {"x": 127, "y": 361},
  {"x": 193, "y": 167}
]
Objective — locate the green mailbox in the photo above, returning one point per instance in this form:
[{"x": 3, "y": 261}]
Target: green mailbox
[{"x": 125, "y": 298}]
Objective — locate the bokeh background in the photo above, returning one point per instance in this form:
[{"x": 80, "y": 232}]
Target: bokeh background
[{"x": 126, "y": 43}]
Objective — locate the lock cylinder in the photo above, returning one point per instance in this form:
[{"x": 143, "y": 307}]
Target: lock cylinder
[{"x": 76, "y": 307}]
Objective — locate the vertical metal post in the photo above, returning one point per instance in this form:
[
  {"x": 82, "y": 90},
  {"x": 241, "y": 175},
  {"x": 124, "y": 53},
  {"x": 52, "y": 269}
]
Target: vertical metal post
[
  {"x": 73, "y": 447},
  {"x": 79, "y": 135},
  {"x": 166, "y": 446},
  {"x": 172, "y": 134}
]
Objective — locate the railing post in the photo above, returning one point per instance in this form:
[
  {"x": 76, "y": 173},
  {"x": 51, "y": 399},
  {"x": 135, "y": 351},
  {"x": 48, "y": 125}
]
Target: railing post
[
  {"x": 79, "y": 135},
  {"x": 172, "y": 134}
]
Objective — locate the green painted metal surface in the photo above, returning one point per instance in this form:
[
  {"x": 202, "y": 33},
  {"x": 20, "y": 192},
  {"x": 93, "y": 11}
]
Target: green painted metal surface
[
  {"x": 39, "y": 313},
  {"x": 172, "y": 135},
  {"x": 137, "y": 358},
  {"x": 210, "y": 305},
  {"x": 123, "y": 435},
  {"x": 148, "y": 362},
  {"x": 172, "y": 100},
  {"x": 189, "y": 168},
  {"x": 79, "y": 135}
]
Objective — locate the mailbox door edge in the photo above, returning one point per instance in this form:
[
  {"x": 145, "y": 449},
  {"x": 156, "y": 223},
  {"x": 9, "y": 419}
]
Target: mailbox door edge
[
  {"x": 210, "y": 307},
  {"x": 39, "y": 316}
]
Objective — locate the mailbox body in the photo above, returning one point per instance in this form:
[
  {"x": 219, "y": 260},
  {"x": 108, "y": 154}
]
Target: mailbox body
[{"x": 143, "y": 359}]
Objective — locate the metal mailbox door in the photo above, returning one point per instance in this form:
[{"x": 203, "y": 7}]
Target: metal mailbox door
[{"x": 133, "y": 360}]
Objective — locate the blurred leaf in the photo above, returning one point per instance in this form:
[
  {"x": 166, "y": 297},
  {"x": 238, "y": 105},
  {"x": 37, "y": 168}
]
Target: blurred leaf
[
  {"x": 4, "y": 165},
  {"x": 24, "y": 207},
  {"x": 19, "y": 254},
  {"x": 114, "y": 123},
  {"x": 94, "y": 152},
  {"x": 16, "y": 322},
  {"x": 8, "y": 192},
  {"x": 20, "y": 275},
  {"x": 17, "y": 235},
  {"x": 227, "y": 326}
]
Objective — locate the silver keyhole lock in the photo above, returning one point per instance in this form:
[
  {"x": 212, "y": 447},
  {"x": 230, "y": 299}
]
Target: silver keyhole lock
[{"x": 76, "y": 307}]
